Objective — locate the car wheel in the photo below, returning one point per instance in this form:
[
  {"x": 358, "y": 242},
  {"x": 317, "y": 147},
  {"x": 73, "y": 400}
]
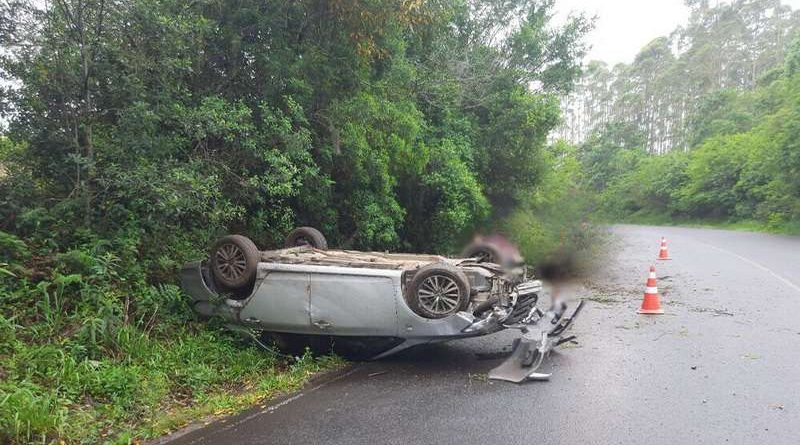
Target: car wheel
[
  {"x": 438, "y": 291},
  {"x": 484, "y": 251},
  {"x": 234, "y": 262},
  {"x": 306, "y": 236}
]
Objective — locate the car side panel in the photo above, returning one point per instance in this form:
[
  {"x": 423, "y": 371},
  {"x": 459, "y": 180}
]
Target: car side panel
[
  {"x": 280, "y": 302},
  {"x": 353, "y": 304}
]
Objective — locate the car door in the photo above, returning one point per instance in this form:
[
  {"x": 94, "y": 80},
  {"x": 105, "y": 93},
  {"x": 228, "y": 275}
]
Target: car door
[
  {"x": 281, "y": 302},
  {"x": 354, "y": 302}
]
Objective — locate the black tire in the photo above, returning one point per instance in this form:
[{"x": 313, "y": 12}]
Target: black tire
[
  {"x": 438, "y": 291},
  {"x": 306, "y": 236},
  {"x": 484, "y": 252},
  {"x": 489, "y": 252},
  {"x": 234, "y": 262}
]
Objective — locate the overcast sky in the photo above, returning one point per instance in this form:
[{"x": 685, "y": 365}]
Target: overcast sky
[{"x": 625, "y": 26}]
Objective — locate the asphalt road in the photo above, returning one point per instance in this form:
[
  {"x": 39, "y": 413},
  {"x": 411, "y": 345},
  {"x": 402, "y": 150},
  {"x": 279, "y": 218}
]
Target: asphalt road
[{"x": 721, "y": 366}]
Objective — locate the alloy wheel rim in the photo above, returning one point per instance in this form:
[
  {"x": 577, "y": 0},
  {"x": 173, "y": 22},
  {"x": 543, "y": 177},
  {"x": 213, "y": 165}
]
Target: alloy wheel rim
[
  {"x": 231, "y": 262},
  {"x": 439, "y": 294}
]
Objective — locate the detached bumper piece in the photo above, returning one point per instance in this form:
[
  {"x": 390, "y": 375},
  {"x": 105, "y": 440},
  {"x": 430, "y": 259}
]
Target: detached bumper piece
[{"x": 538, "y": 339}]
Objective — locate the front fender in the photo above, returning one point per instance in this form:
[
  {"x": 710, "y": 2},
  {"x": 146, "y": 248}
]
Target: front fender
[{"x": 204, "y": 300}]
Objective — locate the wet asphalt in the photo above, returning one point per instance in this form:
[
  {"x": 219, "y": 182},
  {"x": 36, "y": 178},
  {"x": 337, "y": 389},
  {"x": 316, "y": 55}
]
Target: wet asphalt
[{"x": 721, "y": 366}]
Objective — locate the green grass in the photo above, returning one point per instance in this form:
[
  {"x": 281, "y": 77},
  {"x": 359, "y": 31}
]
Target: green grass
[
  {"x": 92, "y": 353},
  {"x": 147, "y": 385}
]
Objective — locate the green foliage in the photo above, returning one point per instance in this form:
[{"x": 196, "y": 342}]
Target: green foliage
[
  {"x": 202, "y": 126},
  {"x": 792, "y": 64},
  {"x": 713, "y": 173},
  {"x": 29, "y": 413},
  {"x": 651, "y": 184},
  {"x": 720, "y": 113},
  {"x": 81, "y": 360},
  {"x": 615, "y": 150},
  {"x": 682, "y": 87},
  {"x": 451, "y": 188},
  {"x": 12, "y": 248},
  {"x": 554, "y": 230},
  {"x": 513, "y": 137},
  {"x": 744, "y": 167}
]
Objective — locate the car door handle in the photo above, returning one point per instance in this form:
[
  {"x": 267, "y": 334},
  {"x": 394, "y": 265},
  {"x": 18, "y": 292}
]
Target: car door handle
[{"x": 322, "y": 324}]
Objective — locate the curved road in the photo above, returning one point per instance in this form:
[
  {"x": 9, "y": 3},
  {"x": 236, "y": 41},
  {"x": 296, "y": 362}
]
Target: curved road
[{"x": 721, "y": 366}]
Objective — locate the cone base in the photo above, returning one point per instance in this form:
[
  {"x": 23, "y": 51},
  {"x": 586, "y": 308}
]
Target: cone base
[
  {"x": 663, "y": 259},
  {"x": 651, "y": 311}
]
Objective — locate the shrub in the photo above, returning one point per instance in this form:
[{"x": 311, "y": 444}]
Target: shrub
[{"x": 29, "y": 413}]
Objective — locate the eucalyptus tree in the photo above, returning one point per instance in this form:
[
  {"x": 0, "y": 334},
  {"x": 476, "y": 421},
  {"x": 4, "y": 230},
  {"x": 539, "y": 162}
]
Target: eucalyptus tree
[{"x": 730, "y": 45}]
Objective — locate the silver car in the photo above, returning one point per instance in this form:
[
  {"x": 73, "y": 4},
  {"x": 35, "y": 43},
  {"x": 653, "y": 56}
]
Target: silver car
[{"x": 389, "y": 301}]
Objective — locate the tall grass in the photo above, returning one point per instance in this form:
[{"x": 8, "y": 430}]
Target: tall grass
[{"x": 87, "y": 356}]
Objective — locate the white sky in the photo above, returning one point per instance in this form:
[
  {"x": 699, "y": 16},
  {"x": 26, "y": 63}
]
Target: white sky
[{"x": 625, "y": 26}]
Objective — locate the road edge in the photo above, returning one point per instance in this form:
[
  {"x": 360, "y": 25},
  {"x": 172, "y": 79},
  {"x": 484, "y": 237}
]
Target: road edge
[{"x": 263, "y": 407}]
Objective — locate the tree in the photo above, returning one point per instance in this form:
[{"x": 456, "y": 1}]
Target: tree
[
  {"x": 178, "y": 121},
  {"x": 732, "y": 45}
]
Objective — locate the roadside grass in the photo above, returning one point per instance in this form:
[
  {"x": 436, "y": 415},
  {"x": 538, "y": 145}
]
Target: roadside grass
[
  {"x": 90, "y": 352},
  {"x": 149, "y": 386},
  {"x": 778, "y": 228}
]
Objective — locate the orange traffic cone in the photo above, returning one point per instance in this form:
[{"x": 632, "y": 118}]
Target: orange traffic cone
[
  {"x": 652, "y": 302},
  {"x": 663, "y": 254}
]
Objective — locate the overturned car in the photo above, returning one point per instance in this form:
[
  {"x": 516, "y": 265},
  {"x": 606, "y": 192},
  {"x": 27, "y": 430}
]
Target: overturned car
[{"x": 384, "y": 302}]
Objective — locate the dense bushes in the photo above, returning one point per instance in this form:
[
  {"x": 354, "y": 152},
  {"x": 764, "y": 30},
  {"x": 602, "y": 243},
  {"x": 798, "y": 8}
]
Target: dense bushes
[
  {"x": 191, "y": 120},
  {"x": 702, "y": 124},
  {"x": 554, "y": 227},
  {"x": 745, "y": 166},
  {"x": 89, "y": 350}
]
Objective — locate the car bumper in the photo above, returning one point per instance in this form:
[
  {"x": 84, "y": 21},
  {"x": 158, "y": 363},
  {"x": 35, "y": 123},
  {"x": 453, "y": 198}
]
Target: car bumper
[{"x": 525, "y": 298}]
